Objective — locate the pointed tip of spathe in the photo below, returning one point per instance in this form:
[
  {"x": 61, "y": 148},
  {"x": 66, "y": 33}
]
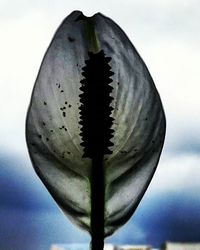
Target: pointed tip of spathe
[{"x": 78, "y": 15}]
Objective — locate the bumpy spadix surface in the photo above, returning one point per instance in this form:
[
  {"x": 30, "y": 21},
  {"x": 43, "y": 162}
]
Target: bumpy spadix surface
[{"x": 53, "y": 128}]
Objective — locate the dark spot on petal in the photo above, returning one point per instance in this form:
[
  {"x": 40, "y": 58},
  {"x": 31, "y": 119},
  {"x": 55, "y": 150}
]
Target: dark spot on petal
[
  {"x": 69, "y": 105},
  {"x": 68, "y": 152},
  {"x": 63, "y": 108},
  {"x": 64, "y": 114},
  {"x": 40, "y": 136},
  {"x": 71, "y": 39},
  {"x": 47, "y": 139},
  {"x": 45, "y": 103},
  {"x": 65, "y": 129},
  {"x": 61, "y": 91},
  {"x": 65, "y": 102},
  {"x": 43, "y": 123},
  {"x": 51, "y": 130}
]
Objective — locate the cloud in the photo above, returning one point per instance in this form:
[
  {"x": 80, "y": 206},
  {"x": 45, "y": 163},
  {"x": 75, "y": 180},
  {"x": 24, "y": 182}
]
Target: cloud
[
  {"x": 29, "y": 217},
  {"x": 25, "y": 229},
  {"x": 177, "y": 173},
  {"x": 162, "y": 217},
  {"x": 170, "y": 217},
  {"x": 20, "y": 188}
]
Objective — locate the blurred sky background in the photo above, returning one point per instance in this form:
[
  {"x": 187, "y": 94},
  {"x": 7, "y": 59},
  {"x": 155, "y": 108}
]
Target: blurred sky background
[{"x": 166, "y": 33}]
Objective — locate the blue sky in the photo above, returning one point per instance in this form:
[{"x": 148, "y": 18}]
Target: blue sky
[{"x": 166, "y": 34}]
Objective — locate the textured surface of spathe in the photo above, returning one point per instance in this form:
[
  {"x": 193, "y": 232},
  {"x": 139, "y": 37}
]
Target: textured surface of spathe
[{"x": 53, "y": 122}]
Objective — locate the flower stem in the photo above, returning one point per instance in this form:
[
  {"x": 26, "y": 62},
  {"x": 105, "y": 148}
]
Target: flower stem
[{"x": 97, "y": 204}]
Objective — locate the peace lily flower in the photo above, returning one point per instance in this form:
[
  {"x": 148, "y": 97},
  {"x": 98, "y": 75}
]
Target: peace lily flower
[{"x": 95, "y": 125}]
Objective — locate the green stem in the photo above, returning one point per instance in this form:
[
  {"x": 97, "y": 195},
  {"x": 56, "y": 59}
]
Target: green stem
[{"x": 97, "y": 204}]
